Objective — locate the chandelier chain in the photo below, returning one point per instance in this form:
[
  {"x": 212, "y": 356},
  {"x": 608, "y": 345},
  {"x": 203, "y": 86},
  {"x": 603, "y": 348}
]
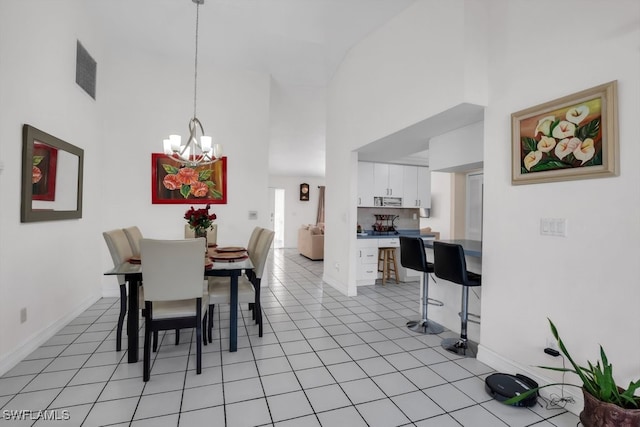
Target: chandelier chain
[{"x": 195, "y": 74}]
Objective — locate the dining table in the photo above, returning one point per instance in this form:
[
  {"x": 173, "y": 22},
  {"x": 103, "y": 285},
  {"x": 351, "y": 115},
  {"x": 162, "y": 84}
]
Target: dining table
[{"x": 132, "y": 272}]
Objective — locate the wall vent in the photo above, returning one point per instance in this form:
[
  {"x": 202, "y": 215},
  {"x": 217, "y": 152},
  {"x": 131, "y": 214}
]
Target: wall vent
[{"x": 86, "y": 68}]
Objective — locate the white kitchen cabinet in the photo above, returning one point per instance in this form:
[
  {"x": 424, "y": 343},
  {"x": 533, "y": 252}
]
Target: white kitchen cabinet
[
  {"x": 424, "y": 187},
  {"x": 365, "y": 184},
  {"x": 417, "y": 187},
  {"x": 410, "y": 199},
  {"x": 367, "y": 271},
  {"x": 388, "y": 180}
]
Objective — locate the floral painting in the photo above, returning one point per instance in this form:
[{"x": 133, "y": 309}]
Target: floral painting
[
  {"x": 570, "y": 138},
  {"x": 174, "y": 183},
  {"x": 45, "y": 160}
]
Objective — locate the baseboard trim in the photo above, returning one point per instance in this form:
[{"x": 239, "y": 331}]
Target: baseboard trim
[
  {"x": 339, "y": 286},
  {"x": 502, "y": 364},
  {"x": 9, "y": 361},
  {"x": 110, "y": 292}
]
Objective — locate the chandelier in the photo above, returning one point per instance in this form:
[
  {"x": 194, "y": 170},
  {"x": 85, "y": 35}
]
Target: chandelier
[{"x": 194, "y": 151}]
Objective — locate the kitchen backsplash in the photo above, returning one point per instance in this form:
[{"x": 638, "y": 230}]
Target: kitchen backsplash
[{"x": 405, "y": 221}]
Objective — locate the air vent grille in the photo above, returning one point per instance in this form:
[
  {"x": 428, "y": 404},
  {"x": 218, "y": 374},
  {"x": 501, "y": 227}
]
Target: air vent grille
[{"x": 86, "y": 68}]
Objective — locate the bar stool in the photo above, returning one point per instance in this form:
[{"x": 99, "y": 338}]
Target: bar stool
[
  {"x": 387, "y": 255},
  {"x": 449, "y": 264},
  {"x": 412, "y": 256}
]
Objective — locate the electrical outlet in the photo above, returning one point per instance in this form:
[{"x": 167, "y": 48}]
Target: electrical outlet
[
  {"x": 336, "y": 266},
  {"x": 551, "y": 343},
  {"x": 23, "y": 314}
]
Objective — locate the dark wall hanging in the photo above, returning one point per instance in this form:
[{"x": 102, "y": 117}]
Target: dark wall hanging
[{"x": 304, "y": 192}]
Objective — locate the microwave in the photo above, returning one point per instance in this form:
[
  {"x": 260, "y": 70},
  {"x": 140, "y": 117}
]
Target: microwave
[{"x": 391, "y": 202}]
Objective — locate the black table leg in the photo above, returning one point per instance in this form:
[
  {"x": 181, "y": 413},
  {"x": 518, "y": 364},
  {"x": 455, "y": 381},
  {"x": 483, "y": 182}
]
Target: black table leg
[
  {"x": 233, "y": 321},
  {"x": 132, "y": 319}
]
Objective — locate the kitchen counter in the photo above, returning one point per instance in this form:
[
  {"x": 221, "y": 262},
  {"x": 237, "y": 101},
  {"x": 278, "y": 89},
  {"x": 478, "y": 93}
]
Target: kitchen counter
[
  {"x": 471, "y": 247},
  {"x": 409, "y": 233}
]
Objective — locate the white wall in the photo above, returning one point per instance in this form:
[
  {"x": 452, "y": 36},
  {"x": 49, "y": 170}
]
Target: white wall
[
  {"x": 297, "y": 212},
  {"x": 440, "y": 215},
  {"x": 50, "y": 268},
  {"x": 407, "y": 71},
  {"x": 458, "y": 150},
  {"x": 587, "y": 283}
]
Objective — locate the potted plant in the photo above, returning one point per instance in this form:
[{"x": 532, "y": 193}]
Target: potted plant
[{"x": 605, "y": 403}]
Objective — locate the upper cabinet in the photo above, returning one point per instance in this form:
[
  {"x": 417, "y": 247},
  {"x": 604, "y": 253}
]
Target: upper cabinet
[
  {"x": 365, "y": 184},
  {"x": 417, "y": 187},
  {"x": 410, "y": 183},
  {"x": 388, "y": 180}
]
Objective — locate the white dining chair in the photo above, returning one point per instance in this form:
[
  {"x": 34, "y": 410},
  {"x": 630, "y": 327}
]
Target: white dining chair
[
  {"x": 248, "y": 286},
  {"x": 173, "y": 272},
  {"x": 120, "y": 251},
  {"x": 134, "y": 235}
]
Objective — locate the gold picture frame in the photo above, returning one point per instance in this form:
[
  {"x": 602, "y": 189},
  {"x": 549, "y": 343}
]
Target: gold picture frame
[{"x": 574, "y": 137}]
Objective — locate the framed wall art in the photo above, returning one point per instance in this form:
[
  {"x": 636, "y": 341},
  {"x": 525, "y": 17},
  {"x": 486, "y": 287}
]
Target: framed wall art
[
  {"x": 304, "y": 192},
  {"x": 45, "y": 161},
  {"x": 172, "y": 183},
  {"x": 574, "y": 137}
]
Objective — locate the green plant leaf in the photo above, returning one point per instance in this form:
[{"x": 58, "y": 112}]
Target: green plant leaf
[
  {"x": 170, "y": 169},
  {"x": 550, "y": 164},
  {"x": 528, "y": 393},
  {"x": 529, "y": 143},
  {"x": 37, "y": 160},
  {"x": 216, "y": 194},
  {"x": 185, "y": 190},
  {"x": 589, "y": 130},
  {"x": 204, "y": 174},
  {"x": 588, "y": 385}
]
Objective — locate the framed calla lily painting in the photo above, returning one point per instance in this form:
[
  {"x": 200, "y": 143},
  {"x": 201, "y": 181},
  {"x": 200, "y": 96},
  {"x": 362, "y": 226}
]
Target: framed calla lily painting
[{"x": 574, "y": 137}]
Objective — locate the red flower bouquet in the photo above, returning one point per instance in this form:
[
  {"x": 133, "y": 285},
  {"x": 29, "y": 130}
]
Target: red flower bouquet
[{"x": 199, "y": 219}]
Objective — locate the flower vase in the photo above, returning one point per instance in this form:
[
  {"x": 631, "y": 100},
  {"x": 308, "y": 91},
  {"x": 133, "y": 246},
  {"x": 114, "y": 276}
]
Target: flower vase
[{"x": 201, "y": 233}]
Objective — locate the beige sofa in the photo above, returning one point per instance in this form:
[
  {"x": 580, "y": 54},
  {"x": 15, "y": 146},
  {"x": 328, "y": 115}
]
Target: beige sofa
[{"x": 311, "y": 242}]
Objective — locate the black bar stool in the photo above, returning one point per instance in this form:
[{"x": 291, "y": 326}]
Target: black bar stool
[
  {"x": 413, "y": 256},
  {"x": 449, "y": 264}
]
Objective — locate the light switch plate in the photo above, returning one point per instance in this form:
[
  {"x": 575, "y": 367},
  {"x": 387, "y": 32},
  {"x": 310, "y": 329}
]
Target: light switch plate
[{"x": 553, "y": 227}]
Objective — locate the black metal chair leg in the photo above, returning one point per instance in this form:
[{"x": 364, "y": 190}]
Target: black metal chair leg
[
  {"x": 146, "y": 366},
  {"x": 123, "y": 312},
  {"x": 155, "y": 341},
  {"x": 177, "y": 336},
  {"x": 212, "y": 307},
  {"x": 205, "y": 322}
]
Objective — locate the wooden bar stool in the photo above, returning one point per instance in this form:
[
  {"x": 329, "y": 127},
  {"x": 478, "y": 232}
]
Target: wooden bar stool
[{"x": 387, "y": 256}]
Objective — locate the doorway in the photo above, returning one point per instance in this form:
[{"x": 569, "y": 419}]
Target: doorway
[
  {"x": 276, "y": 217},
  {"x": 474, "y": 206}
]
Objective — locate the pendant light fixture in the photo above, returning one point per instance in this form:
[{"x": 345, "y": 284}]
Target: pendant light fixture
[{"x": 198, "y": 149}]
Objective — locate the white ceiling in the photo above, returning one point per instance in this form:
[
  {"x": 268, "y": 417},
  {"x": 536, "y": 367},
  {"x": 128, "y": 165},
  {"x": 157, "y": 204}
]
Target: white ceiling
[{"x": 300, "y": 43}]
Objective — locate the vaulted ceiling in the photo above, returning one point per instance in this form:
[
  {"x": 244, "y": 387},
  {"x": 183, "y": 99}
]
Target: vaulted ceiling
[{"x": 300, "y": 43}]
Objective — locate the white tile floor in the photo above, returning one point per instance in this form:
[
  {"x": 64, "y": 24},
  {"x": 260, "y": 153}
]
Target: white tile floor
[{"x": 324, "y": 360}]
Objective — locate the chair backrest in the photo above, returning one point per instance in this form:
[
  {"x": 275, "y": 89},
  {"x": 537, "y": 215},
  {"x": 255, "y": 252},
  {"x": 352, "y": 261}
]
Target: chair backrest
[
  {"x": 449, "y": 262},
  {"x": 253, "y": 240},
  {"x": 172, "y": 269},
  {"x": 412, "y": 254},
  {"x": 261, "y": 251},
  {"x": 119, "y": 248},
  {"x": 134, "y": 235},
  {"x": 212, "y": 234}
]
